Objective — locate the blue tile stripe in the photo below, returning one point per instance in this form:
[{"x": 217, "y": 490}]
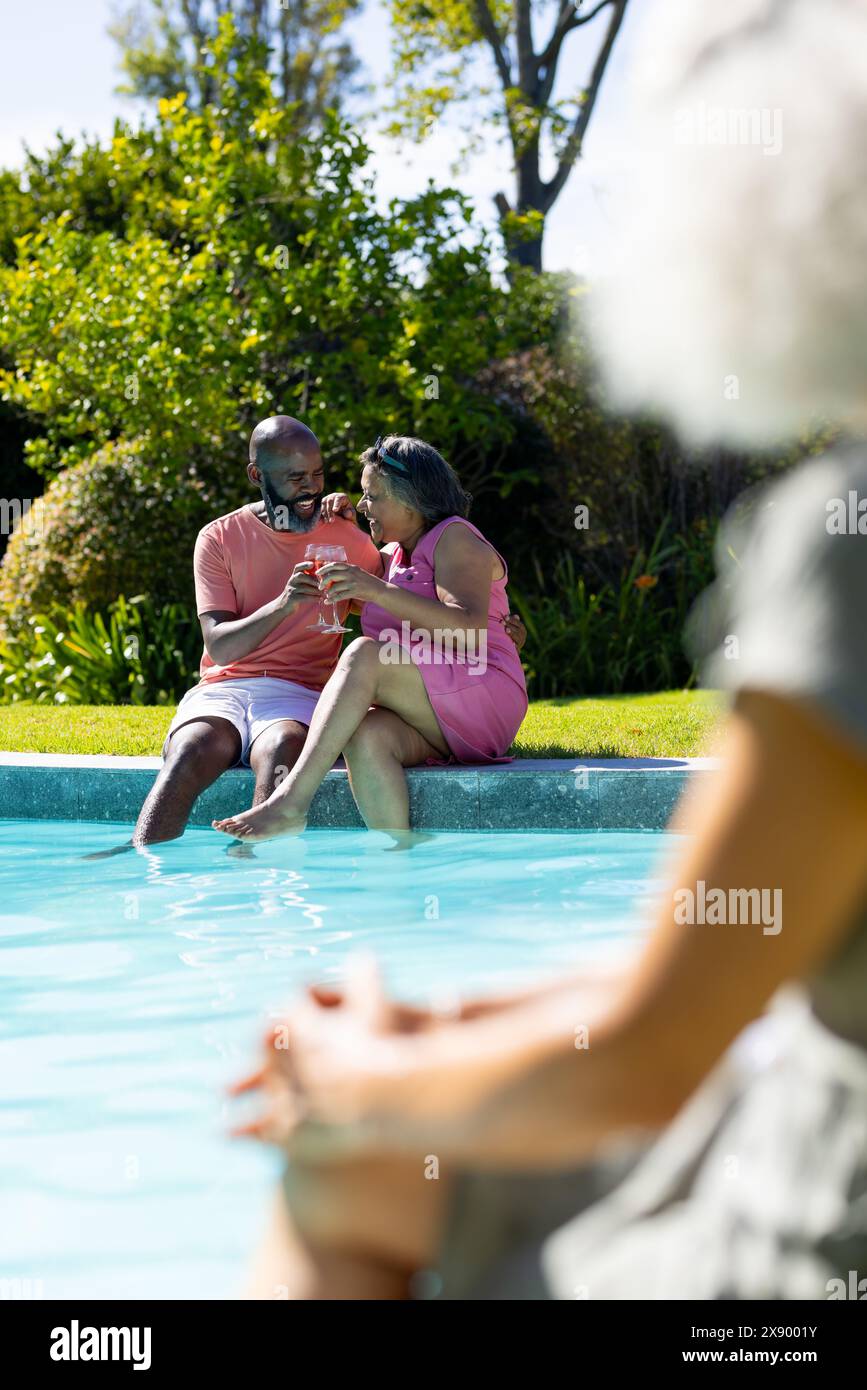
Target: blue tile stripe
[{"x": 537, "y": 795}]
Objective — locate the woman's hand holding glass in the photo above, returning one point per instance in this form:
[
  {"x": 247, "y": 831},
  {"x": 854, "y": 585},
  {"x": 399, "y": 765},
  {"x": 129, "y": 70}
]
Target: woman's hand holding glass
[{"x": 348, "y": 582}]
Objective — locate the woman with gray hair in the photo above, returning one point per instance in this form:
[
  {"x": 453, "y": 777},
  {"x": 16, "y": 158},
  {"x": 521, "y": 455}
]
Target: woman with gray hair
[
  {"x": 740, "y": 309},
  {"x": 436, "y": 676}
]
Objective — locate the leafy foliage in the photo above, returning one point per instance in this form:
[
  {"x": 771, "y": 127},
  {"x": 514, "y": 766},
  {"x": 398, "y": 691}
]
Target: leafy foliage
[
  {"x": 444, "y": 39},
  {"x": 136, "y": 653},
  {"x": 161, "y": 293},
  {"x": 614, "y": 638},
  {"x": 521, "y": 43},
  {"x": 164, "y": 49},
  {"x": 569, "y": 451},
  {"x": 106, "y": 527},
  {"x": 237, "y": 271}
]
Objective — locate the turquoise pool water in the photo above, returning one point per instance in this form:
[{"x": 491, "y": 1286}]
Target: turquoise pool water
[{"x": 134, "y": 988}]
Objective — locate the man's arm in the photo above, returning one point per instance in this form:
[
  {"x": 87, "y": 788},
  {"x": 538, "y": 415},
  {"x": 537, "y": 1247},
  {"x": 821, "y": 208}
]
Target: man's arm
[
  {"x": 516, "y": 629},
  {"x": 229, "y": 638}
]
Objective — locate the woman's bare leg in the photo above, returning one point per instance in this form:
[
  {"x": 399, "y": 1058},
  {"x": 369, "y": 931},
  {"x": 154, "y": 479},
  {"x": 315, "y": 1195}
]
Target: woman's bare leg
[
  {"x": 288, "y": 1266},
  {"x": 360, "y": 680},
  {"x": 376, "y": 755},
  {"x": 350, "y": 1230}
]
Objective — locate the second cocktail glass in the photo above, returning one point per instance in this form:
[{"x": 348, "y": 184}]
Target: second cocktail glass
[{"x": 326, "y": 555}]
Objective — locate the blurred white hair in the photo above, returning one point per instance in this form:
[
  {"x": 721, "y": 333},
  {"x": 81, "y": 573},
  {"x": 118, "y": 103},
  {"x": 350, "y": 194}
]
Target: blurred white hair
[{"x": 737, "y": 303}]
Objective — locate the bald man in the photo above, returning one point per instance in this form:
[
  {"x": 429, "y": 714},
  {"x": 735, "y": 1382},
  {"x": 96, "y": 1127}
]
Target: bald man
[{"x": 262, "y": 668}]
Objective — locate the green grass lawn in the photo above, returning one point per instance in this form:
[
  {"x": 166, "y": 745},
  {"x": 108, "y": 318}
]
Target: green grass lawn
[{"x": 678, "y": 723}]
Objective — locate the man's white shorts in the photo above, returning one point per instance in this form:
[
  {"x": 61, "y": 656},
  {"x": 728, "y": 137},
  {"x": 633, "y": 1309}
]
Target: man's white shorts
[{"x": 251, "y": 705}]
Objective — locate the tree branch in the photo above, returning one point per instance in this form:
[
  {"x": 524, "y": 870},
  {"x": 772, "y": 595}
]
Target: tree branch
[
  {"x": 572, "y": 148},
  {"x": 586, "y": 18},
  {"x": 491, "y": 34},
  {"x": 191, "y": 10},
  {"x": 524, "y": 44},
  {"x": 567, "y": 20}
]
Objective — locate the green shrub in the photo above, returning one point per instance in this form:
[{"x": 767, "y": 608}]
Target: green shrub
[
  {"x": 137, "y": 653},
  {"x": 567, "y": 451},
  {"x": 610, "y": 639},
  {"x": 162, "y": 292},
  {"x": 108, "y": 527}
]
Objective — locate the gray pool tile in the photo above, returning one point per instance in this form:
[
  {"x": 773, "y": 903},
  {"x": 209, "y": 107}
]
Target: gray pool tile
[
  {"x": 230, "y": 794},
  {"x": 53, "y": 796},
  {"x": 510, "y": 799},
  {"x": 637, "y": 800},
  {"x": 107, "y": 794},
  {"x": 538, "y": 795},
  {"x": 333, "y": 807},
  {"x": 443, "y": 802}
]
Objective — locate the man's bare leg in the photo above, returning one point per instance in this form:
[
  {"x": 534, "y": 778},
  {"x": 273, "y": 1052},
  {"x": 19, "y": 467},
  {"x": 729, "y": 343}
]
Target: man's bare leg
[
  {"x": 274, "y": 754},
  {"x": 197, "y": 754}
]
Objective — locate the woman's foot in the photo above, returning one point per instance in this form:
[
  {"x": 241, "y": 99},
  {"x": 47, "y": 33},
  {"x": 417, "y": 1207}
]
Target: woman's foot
[
  {"x": 238, "y": 850},
  {"x": 407, "y": 839},
  {"x": 265, "y": 822}
]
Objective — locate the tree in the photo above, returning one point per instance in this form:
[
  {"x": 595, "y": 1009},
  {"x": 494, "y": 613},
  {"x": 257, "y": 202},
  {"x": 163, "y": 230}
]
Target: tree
[
  {"x": 449, "y": 35},
  {"x": 251, "y": 272},
  {"x": 164, "y": 42}
]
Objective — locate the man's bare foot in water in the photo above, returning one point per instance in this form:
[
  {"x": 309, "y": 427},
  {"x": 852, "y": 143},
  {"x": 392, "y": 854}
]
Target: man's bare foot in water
[
  {"x": 110, "y": 853},
  {"x": 265, "y": 822}
]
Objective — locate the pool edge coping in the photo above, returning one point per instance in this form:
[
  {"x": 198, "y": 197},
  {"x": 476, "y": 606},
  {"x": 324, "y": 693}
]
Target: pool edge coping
[{"x": 525, "y": 794}]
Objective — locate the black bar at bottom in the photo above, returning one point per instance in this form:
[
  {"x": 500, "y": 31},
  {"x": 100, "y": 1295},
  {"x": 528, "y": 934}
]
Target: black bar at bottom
[{"x": 159, "y": 1339}]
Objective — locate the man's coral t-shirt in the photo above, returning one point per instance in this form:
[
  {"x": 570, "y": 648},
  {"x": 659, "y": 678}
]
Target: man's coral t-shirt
[{"x": 240, "y": 564}]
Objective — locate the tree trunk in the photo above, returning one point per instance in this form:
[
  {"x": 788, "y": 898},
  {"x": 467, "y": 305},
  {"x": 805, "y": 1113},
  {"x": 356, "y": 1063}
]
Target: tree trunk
[
  {"x": 528, "y": 253},
  {"x": 524, "y": 250},
  {"x": 535, "y": 82}
]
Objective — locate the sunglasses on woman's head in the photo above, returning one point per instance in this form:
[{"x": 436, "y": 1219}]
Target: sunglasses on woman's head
[{"x": 387, "y": 459}]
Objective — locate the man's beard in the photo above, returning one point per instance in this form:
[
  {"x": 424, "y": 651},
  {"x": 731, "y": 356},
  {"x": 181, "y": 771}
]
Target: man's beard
[{"x": 282, "y": 514}]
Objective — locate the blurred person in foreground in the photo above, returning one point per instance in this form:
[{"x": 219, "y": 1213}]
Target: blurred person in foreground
[{"x": 666, "y": 1160}]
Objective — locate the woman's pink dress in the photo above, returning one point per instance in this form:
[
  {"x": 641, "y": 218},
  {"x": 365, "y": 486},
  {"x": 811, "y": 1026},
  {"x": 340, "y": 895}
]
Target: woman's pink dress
[{"x": 479, "y": 694}]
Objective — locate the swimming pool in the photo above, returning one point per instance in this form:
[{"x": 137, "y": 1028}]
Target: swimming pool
[{"x": 134, "y": 988}]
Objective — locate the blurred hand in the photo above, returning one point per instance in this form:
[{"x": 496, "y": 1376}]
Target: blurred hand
[
  {"x": 330, "y": 1070},
  {"x": 348, "y": 1073}
]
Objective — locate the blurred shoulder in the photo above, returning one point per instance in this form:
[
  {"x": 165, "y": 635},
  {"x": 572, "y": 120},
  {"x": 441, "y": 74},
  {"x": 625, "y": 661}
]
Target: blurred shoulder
[
  {"x": 784, "y": 613},
  {"x": 791, "y": 524}
]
